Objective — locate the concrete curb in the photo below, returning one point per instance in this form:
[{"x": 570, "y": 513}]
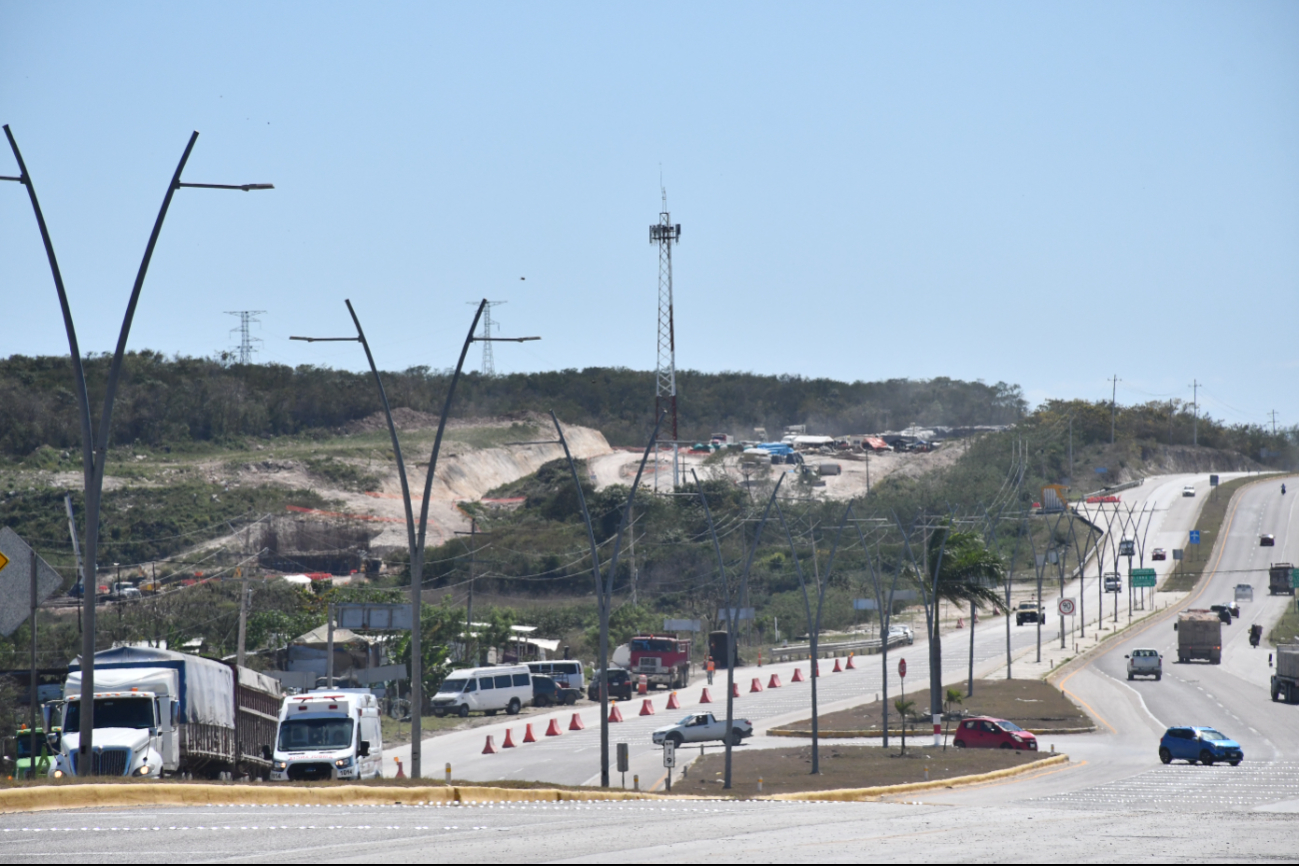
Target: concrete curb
[
  {"x": 89, "y": 796},
  {"x": 850, "y": 795},
  {"x": 831, "y": 735}
]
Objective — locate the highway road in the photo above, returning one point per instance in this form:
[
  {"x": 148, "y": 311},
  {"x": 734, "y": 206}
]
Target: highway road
[{"x": 1113, "y": 802}]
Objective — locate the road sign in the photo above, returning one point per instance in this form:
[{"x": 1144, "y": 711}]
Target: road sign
[
  {"x": 4, "y": 560},
  {"x": 902, "y": 668},
  {"x": 1294, "y": 578},
  {"x": 740, "y": 613},
  {"x": 16, "y": 581},
  {"x": 1101, "y": 470},
  {"x": 1195, "y": 536},
  {"x": 1177, "y": 553},
  {"x": 1142, "y": 577},
  {"x": 864, "y": 604},
  {"x": 375, "y": 617},
  {"x": 1067, "y": 607},
  {"x": 669, "y": 754},
  {"x": 1213, "y": 480},
  {"x": 681, "y": 625}
]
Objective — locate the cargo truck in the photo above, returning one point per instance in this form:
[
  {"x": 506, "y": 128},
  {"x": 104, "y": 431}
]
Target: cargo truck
[
  {"x": 1199, "y": 636},
  {"x": 159, "y": 713},
  {"x": 1279, "y": 581},
  {"x": 664, "y": 660},
  {"x": 1285, "y": 682}
]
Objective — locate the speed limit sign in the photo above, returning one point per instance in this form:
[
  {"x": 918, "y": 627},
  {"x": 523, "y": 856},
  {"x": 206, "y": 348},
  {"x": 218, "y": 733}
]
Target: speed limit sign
[
  {"x": 902, "y": 668},
  {"x": 1067, "y": 607}
]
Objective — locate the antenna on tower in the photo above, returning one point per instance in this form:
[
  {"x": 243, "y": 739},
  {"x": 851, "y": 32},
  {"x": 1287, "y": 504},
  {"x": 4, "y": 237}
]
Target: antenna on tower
[
  {"x": 665, "y": 234},
  {"x": 244, "y": 354},
  {"x": 489, "y": 363}
]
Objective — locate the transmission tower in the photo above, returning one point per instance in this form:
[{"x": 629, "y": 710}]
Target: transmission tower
[
  {"x": 246, "y": 349},
  {"x": 665, "y": 234},
  {"x": 489, "y": 364}
]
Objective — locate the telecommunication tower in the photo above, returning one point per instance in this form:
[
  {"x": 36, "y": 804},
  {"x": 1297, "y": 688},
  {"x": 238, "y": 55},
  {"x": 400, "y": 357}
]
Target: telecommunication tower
[
  {"x": 246, "y": 349},
  {"x": 665, "y": 234},
  {"x": 489, "y": 363}
]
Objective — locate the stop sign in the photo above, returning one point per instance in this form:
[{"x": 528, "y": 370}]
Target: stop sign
[{"x": 902, "y": 668}]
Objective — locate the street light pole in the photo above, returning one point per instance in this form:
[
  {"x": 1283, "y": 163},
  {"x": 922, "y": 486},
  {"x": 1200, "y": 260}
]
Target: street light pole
[{"x": 94, "y": 448}]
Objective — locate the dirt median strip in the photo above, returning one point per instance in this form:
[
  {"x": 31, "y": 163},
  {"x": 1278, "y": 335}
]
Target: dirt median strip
[
  {"x": 831, "y": 735},
  {"x": 848, "y": 795},
  {"x": 91, "y": 796}
]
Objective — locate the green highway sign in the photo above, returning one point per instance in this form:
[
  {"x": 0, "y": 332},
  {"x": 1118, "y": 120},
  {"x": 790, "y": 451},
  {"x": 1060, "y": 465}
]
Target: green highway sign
[
  {"x": 1142, "y": 577},
  {"x": 1294, "y": 577}
]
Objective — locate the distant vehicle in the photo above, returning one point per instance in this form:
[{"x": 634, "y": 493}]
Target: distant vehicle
[
  {"x": 1244, "y": 592},
  {"x": 1113, "y": 582},
  {"x": 568, "y": 673},
  {"x": 486, "y": 690},
  {"x": 327, "y": 734},
  {"x": 901, "y": 633},
  {"x": 1029, "y": 611},
  {"x": 123, "y": 592},
  {"x": 1145, "y": 663},
  {"x": 1199, "y": 636},
  {"x": 1279, "y": 580},
  {"x": 76, "y": 591},
  {"x": 548, "y": 693},
  {"x": 664, "y": 660},
  {"x": 1285, "y": 682},
  {"x": 1205, "y": 745},
  {"x": 1159, "y": 555},
  {"x": 989, "y": 733},
  {"x": 702, "y": 728},
  {"x": 1188, "y": 490},
  {"x": 1268, "y": 540},
  {"x": 1256, "y": 636},
  {"x": 1223, "y": 611},
  {"x": 620, "y": 684},
  {"x": 1234, "y": 608}
]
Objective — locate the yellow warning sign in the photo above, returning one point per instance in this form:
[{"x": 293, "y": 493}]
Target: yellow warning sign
[{"x": 4, "y": 560}]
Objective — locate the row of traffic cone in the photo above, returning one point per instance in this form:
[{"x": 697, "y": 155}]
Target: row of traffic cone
[{"x": 529, "y": 737}]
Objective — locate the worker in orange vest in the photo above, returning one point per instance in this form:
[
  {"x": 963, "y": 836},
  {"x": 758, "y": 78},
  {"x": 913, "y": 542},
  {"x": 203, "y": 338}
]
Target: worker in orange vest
[{"x": 711, "y": 668}]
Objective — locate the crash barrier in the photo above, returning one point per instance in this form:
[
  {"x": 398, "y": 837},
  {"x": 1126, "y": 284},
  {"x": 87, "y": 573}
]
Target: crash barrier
[
  {"x": 866, "y": 646},
  {"x": 756, "y": 686},
  {"x": 798, "y": 676},
  {"x": 508, "y": 743},
  {"x": 528, "y": 736},
  {"x": 553, "y": 730},
  {"x": 774, "y": 683},
  {"x": 615, "y": 714},
  {"x": 705, "y": 698},
  {"x": 673, "y": 703},
  {"x": 490, "y": 748},
  {"x": 646, "y": 707}
]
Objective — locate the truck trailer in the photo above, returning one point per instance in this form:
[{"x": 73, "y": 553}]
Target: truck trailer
[
  {"x": 1285, "y": 682},
  {"x": 159, "y": 713},
  {"x": 1279, "y": 580},
  {"x": 1199, "y": 636}
]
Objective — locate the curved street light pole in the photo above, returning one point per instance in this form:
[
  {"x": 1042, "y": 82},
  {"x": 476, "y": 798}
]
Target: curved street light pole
[{"x": 94, "y": 448}]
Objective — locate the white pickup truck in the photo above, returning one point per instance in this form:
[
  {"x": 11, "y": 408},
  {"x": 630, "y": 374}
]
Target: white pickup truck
[
  {"x": 701, "y": 728},
  {"x": 1145, "y": 663}
]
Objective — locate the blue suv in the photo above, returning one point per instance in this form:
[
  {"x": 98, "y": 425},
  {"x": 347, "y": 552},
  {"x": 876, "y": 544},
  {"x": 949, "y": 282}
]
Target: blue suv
[{"x": 1193, "y": 744}]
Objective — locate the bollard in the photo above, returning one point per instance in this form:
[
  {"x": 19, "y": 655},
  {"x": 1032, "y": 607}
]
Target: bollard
[
  {"x": 448, "y": 772},
  {"x": 635, "y": 783},
  {"x": 759, "y": 784},
  {"x": 926, "y": 774}
]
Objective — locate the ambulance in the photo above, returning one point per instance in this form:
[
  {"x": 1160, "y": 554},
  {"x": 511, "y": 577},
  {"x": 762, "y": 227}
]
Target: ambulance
[{"x": 328, "y": 734}]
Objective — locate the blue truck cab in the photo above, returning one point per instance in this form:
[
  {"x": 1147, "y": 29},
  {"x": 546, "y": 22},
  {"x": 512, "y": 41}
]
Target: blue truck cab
[{"x": 1206, "y": 745}]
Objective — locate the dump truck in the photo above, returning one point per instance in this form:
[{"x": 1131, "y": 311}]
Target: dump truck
[
  {"x": 1285, "y": 682},
  {"x": 664, "y": 660},
  {"x": 1279, "y": 581},
  {"x": 1199, "y": 636},
  {"x": 159, "y": 712}
]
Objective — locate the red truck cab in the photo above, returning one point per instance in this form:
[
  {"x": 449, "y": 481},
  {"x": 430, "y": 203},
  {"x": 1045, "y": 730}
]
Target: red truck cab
[{"x": 664, "y": 660}]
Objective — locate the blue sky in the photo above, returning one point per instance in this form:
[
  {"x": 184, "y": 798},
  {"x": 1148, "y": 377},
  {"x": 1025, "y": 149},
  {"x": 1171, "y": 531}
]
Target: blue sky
[{"x": 1046, "y": 194}]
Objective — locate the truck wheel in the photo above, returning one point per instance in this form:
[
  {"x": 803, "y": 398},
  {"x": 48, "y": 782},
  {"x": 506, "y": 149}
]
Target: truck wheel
[
  {"x": 1165, "y": 756},
  {"x": 1158, "y": 677},
  {"x": 1206, "y": 758},
  {"x": 463, "y": 712},
  {"x": 1276, "y": 695},
  {"x": 513, "y": 707}
]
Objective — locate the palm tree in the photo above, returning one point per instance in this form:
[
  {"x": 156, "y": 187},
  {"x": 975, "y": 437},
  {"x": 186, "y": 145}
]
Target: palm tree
[{"x": 904, "y": 708}]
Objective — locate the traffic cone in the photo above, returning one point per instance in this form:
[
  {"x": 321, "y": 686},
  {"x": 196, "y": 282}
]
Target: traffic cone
[
  {"x": 798, "y": 676},
  {"x": 816, "y": 668},
  {"x": 401, "y": 773},
  {"x": 576, "y": 724},
  {"x": 673, "y": 703},
  {"x": 646, "y": 707},
  {"x": 490, "y": 748},
  {"x": 837, "y": 669},
  {"x": 848, "y": 666},
  {"x": 774, "y": 683},
  {"x": 735, "y": 690},
  {"x": 509, "y": 740},
  {"x": 705, "y": 698},
  {"x": 553, "y": 730},
  {"x": 527, "y": 735},
  {"x": 756, "y": 686},
  {"x": 960, "y": 622},
  {"x": 615, "y": 714}
]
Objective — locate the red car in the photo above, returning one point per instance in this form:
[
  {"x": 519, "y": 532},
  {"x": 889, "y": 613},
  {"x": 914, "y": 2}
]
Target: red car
[
  {"x": 988, "y": 733},
  {"x": 1159, "y": 555}
]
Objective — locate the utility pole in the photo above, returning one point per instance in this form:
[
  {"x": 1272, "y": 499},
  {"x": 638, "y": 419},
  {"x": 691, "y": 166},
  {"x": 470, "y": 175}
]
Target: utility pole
[
  {"x": 1070, "y": 449},
  {"x": 240, "y": 654},
  {"x": 1195, "y": 402},
  {"x": 473, "y": 534},
  {"x": 246, "y": 350},
  {"x": 1273, "y": 414},
  {"x": 632, "y": 552},
  {"x": 1114, "y": 394},
  {"x": 665, "y": 234}
]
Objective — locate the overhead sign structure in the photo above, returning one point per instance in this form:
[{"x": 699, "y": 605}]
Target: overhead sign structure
[
  {"x": 375, "y": 617},
  {"x": 738, "y": 613},
  {"x": 1142, "y": 577},
  {"x": 1067, "y": 607},
  {"x": 1195, "y": 536},
  {"x": 384, "y": 674},
  {"x": 16, "y": 581},
  {"x": 681, "y": 625}
]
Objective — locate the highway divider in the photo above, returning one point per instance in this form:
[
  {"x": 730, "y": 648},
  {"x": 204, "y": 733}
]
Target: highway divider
[
  {"x": 897, "y": 732},
  {"x": 850, "y": 795}
]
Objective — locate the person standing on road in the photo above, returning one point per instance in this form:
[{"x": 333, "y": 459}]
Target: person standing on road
[{"x": 711, "y": 667}]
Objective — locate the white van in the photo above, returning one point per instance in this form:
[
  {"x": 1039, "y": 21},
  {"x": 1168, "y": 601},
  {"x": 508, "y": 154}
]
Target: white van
[
  {"x": 485, "y": 690},
  {"x": 569, "y": 674},
  {"x": 328, "y": 734}
]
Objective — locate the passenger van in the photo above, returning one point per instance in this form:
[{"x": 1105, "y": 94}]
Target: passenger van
[
  {"x": 486, "y": 690},
  {"x": 327, "y": 734},
  {"x": 567, "y": 673}
]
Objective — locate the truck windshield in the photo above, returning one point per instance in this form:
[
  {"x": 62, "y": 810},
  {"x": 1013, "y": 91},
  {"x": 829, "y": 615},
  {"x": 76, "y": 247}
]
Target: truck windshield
[
  {"x": 113, "y": 713},
  {"x": 656, "y": 645},
  {"x": 298, "y": 735}
]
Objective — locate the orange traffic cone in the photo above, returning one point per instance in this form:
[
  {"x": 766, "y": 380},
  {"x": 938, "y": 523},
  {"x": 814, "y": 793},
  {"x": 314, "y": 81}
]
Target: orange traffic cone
[
  {"x": 527, "y": 735},
  {"x": 401, "y": 773},
  {"x": 490, "y": 748},
  {"x": 848, "y": 666},
  {"x": 960, "y": 622},
  {"x": 735, "y": 690},
  {"x": 816, "y": 668},
  {"x": 756, "y": 686},
  {"x": 646, "y": 707},
  {"x": 798, "y": 676},
  {"x": 837, "y": 669},
  {"x": 509, "y": 740},
  {"x": 673, "y": 703},
  {"x": 553, "y": 730},
  {"x": 705, "y": 698},
  {"x": 576, "y": 724},
  {"x": 615, "y": 714},
  {"x": 774, "y": 683}
]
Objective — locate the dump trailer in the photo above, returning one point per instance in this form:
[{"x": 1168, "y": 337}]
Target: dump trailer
[
  {"x": 1285, "y": 682},
  {"x": 1278, "y": 579},
  {"x": 1199, "y": 636},
  {"x": 159, "y": 712}
]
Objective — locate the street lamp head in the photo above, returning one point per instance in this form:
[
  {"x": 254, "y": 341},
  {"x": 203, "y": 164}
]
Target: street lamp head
[
  {"x": 246, "y": 187},
  {"x": 327, "y": 339}
]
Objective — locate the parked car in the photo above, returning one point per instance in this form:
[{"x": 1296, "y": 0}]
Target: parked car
[
  {"x": 1193, "y": 744},
  {"x": 1160, "y": 555},
  {"x": 901, "y": 632},
  {"x": 1029, "y": 611},
  {"x": 983, "y": 732},
  {"x": 702, "y": 728},
  {"x": 620, "y": 684},
  {"x": 1268, "y": 540},
  {"x": 548, "y": 693},
  {"x": 1145, "y": 663},
  {"x": 1188, "y": 490},
  {"x": 488, "y": 690}
]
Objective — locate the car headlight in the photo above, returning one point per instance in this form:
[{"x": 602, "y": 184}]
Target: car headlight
[
  {"x": 280, "y": 765},
  {"x": 143, "y": 771},
  {"x": 343, "y": 763},
  {"x": 58, "y": 774}
]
